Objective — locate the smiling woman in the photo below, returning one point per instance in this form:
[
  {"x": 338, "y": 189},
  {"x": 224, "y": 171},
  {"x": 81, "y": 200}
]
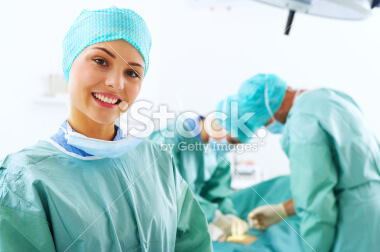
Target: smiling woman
[
  {"x": 89, "y": 187},
  {"x": 101, "y": 77}
]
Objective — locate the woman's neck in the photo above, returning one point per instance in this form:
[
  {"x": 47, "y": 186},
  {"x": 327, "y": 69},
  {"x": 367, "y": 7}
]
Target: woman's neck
[{"x": 88, "y": 127}]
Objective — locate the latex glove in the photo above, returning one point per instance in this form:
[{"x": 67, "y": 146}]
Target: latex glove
[
  {"x": 229, "y": 224},
  {"x": 238, "y": 226},
  {"x": 265, "y": 216},
  {"x": 216, "y": 233}
]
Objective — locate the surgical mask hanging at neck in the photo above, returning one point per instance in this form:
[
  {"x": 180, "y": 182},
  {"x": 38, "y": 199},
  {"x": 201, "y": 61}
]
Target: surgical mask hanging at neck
[
  {"x": 274, "y": 127},
  {"x": 101, "y": 148}
]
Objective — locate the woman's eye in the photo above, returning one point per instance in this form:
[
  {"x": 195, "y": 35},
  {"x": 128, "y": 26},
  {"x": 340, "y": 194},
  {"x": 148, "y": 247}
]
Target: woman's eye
[
  {"x": 132, "y": 73},
  {"x": 101, "y": 62}
]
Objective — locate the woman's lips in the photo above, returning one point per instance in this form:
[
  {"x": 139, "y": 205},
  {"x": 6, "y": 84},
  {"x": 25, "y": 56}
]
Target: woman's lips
[{"x": 109, "y": 96}]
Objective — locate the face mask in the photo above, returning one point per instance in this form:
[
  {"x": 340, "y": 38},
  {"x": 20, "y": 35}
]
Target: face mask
[
  {"x": 274, "y": 127},
  {"x": 221, "y": 147},
  {"x": 101, "y": 148}
]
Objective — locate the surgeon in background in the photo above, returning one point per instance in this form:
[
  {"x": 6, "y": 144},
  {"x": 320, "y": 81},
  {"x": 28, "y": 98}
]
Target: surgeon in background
[
  {"x": 200, "y": 159},
  {"x": 334, "y": 161},
  {"x": 90, "y": 187}
]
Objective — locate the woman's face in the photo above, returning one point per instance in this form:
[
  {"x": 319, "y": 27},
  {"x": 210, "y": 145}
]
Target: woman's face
[{"x": 112, "y": 70}]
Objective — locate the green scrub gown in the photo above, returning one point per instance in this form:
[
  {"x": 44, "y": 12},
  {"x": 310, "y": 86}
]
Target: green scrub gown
[
  {"x": 207, "y": 173},
  {"x": 53, "y": 201},
  {"x": 335, "y": 178}
]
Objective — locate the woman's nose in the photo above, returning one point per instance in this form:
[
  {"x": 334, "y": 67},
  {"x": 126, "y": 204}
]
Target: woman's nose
[{"x": 115, "y": 81}]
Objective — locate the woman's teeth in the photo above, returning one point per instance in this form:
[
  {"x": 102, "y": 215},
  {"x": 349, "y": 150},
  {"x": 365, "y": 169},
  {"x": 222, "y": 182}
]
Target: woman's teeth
[{"x": 105, "y": 99}]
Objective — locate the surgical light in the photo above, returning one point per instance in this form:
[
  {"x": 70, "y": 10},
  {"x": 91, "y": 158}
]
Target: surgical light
[{"x": 337, "y": 9}]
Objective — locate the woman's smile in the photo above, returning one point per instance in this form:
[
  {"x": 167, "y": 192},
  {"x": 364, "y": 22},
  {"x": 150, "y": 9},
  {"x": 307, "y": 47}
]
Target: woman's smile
[{"x": 106, "y": 100}]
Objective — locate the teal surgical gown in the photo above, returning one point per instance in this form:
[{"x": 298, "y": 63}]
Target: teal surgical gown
[
  {"x": 53, "y": 201},
  {"x": 207, "y": 173},
  {"x": 335, "y": 178}
]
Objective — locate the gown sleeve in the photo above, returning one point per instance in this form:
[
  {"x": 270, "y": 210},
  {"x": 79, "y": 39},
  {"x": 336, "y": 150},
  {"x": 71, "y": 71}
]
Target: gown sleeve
[
  {"x": 216, "y": 192},
  {"x": 19, "y": 229},
  {"x": 313, "y": 178},
  {"x": 192, "y": 229}
]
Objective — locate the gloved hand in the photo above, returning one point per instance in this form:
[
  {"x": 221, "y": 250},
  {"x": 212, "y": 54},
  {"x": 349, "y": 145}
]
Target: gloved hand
[
  {"x": 229, "y": 225},
  {"x": 215, "y": 232},
  {"x": 238, "y": 226},
  {"x": 265, "y": 216}
]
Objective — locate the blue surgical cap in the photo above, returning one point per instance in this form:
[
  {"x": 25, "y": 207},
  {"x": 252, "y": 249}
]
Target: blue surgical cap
[
  {"x": 251, "y": 99},
  {"x": 109, "y": 24}
]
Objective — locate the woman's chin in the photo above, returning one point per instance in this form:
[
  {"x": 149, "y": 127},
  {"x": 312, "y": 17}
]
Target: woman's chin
[{"x": 104, "y": 119}]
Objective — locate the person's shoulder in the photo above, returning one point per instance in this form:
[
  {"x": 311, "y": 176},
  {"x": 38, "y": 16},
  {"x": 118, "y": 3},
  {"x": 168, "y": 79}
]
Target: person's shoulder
[
  {"x": 149, "y": 148},
  {"x": 316, "y": 101},
  {"x": 153, "y": 154},
  {"x": 323, "y": 96},
  {"x": 27, "y": 156},
  {"x": 18, "y": 177},
  {"x": 315, "y": 96},
  {"x": 149, "y": 144},
  {"x": 20, "y": 169}
]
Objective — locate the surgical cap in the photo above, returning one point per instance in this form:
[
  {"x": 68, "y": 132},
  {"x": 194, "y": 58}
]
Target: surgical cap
[
  {"x": 103, "y": 25},
  {"x": 251, "y": 99}
]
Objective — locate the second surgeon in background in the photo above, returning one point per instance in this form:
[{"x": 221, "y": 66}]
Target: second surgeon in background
[{"x": 334, "y": 161}]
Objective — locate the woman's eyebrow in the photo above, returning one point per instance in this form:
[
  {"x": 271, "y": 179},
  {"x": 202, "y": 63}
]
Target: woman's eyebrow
[
  {"x": 105, "y": 50},
  {"x": 113, "y": 56},
  {"x": 135, "y": 64}
]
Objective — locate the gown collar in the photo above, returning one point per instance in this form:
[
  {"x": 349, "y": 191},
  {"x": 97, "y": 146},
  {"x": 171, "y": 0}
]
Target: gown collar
[{"x": 60, "y": 139}]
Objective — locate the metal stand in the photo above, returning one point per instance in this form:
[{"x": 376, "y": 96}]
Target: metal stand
[{"x": 290, "y": 21}]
